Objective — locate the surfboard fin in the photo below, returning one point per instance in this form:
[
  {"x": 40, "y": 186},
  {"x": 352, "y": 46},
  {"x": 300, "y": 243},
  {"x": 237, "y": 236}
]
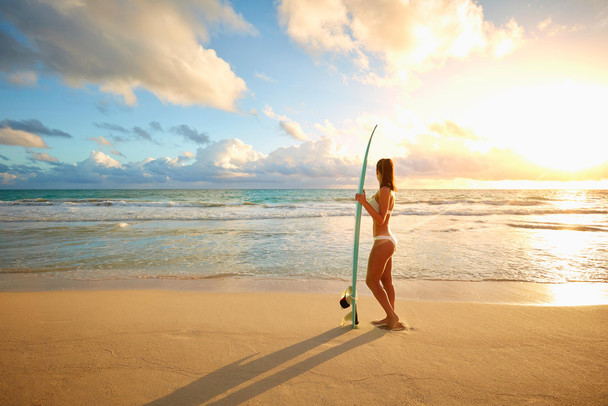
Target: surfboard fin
[
  {"x": 347, "y": 299},
  {"x": 349, "y": 317},
  {"x": 345, "y": 302}
]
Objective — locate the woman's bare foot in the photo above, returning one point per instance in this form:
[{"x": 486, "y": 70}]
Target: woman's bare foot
[
  {"x": 398, "y": 327},
  {"x": 379, "y": 322},
  {"x": 391, "y": 321}
]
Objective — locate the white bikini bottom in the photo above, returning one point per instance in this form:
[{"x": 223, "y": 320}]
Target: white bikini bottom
[{"x": 387, "y": 237}]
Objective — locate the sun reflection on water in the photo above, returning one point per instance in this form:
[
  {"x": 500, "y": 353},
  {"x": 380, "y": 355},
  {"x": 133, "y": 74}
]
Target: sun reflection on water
[{"x": 564, "y": 255}]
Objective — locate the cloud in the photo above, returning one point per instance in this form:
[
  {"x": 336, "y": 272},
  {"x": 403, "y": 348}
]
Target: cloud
[
  {"x": 185, "y": 157},
  {"x": 101, "y": 140},
  {"x": 43, "y": 157},
  {"x": 436, "y": 153},
  {"x": 135, "y": 132},
  {"x": 151, "y": 45},
  {"x": 7, "y": 178},
  {"x": 112, "y": 127},
  {"x": 411, "y": 36},
  {"x": 264, "y": 77},
  {"x": 191, "y": 134},
  {"x": 232, "y": 163},
  {"x": 225, "y": 162},
  {"x": 13, "y": 54},
  {"x": 442, "y": 150},
  {"x": 98, "y": 159},
  {"x": 23, "y": 78},
  {"x": 439, "y": 157},
  {"x": 315, "y": 159},
  {"x": 187, "y": 132},
  {"x": 318, "y": 26},
  {"x": 33, "y": 126},
  {"x": 231, "y": 155},
  {"x": 9, "y": 136},
  {"x": 293, "y": 129},
  {"x": 451, "y": 129},
  {"x": 155, "y": 125},
  {"x": 141, "y": 133},
  {"x": 289, "y": 126},
  {"x": 551, "y": 28},
  {"x": 436, "y": 157},
  {"x": 98, "y": 170}
]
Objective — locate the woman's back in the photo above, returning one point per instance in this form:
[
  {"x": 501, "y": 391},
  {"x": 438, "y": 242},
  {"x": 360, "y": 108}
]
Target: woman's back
[{"x": 384, "y": 193}]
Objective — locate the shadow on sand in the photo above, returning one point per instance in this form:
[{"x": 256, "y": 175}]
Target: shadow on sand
[{"x": 240, "y": 372}]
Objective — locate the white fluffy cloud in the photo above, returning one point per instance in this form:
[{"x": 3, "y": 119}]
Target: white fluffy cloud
[
  {"x": 229, "y": 155},
  {"x": 98, "y": 159},
  {"x": 229, "y": 162},
  {"x": 153, "y": 45},
  {"x": 408, "y": 35}
]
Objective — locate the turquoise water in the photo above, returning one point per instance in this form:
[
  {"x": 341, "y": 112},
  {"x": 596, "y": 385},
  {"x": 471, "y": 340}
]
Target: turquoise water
[{"x": 531, "y": 235}]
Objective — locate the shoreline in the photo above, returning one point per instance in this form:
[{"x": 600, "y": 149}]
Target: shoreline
[{"x": 489, "y": 292}]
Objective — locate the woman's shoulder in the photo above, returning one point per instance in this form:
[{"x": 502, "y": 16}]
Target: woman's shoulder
[{"x": 385, "y": 190}]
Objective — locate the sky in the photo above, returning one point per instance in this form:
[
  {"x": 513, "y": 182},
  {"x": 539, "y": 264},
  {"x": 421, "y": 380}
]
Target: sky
[{"x": 284, "y": 94}]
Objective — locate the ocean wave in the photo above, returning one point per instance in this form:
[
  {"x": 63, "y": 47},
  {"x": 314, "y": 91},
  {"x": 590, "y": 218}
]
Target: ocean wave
[
  {"x": 150, "y": 218},
  {"x": 80, "y": 274},
  {"x": 534, "y": 202},
  {"x": 195, "y": 204},
  {"x": 514, "y": 202},
  {"x": 142, "y": 204},
  {"x": 510, "y": 212},
  {"x": 221, "y": 275},
  {"x": 550, "y": 226},
  {"x": 470, "y": 202},
  {"x": 127, "y": 213},
  {"x": 111, "y": 202},
  {"x": 33, "y": 271}
]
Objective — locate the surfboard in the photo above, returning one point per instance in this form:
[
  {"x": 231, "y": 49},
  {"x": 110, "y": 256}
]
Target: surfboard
[{"x": 357, "y": 230}]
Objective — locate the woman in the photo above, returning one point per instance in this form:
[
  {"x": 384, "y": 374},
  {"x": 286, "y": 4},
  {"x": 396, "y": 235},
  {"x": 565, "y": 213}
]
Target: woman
[{"x": 380, "y": 265}]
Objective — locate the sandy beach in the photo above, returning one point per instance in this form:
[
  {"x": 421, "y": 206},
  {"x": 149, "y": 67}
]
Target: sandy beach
[{"x": 167, "y": 347}]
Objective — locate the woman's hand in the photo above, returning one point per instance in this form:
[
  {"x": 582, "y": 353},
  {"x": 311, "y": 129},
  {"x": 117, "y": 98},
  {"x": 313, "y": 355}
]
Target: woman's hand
[{"x": 360, "y": 197}]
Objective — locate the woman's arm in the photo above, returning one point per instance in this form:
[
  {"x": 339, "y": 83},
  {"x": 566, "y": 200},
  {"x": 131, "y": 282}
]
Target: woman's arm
[{"x": 384, "y": 198}]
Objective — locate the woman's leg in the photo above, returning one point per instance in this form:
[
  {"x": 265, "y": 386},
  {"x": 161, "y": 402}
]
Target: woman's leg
[
  {"x": 378, "y": 257},
  {"x": 387, "y": 282}
]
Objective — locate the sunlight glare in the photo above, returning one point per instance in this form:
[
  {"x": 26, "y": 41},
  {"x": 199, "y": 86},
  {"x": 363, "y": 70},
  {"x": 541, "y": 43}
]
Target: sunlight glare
[
  {"x": 579, "y": 294},
  {"x": 559, "y": 125}
]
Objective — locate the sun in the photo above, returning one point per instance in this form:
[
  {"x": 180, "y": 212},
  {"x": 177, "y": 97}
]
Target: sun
[{"x": 559, "y": 126}]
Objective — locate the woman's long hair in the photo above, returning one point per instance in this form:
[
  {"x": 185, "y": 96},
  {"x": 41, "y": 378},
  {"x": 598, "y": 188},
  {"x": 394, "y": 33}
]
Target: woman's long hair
[{"x": 386, "y": 170}]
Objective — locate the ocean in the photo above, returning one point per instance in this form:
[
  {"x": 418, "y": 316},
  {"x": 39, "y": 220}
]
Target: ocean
[{"x": 546, "y": 236}]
